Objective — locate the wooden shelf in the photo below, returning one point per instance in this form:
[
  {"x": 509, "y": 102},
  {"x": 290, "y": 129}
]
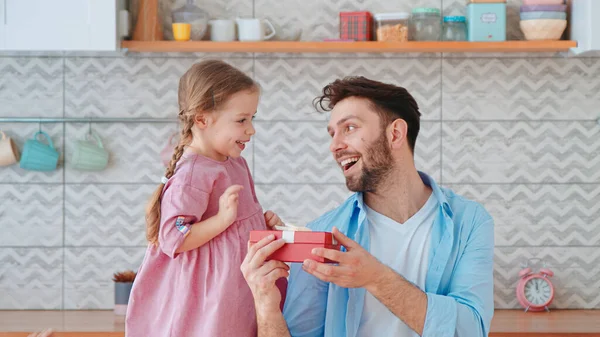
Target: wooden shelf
[{"x": 348, "y": 47}]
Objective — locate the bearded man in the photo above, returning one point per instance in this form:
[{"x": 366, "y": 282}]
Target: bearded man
[{"x": 417, "y": 259}]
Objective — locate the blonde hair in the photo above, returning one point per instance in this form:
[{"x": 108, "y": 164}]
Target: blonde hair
[{"x": 203, "y": 88}]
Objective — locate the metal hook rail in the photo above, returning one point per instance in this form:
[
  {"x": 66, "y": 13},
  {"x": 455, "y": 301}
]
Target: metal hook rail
[{"x": 85, "y": 120}]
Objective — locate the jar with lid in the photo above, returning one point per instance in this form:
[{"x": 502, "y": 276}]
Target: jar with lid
[
  {"x": 426, "y": 24},
  {"x": 192, "y": 14},
  {"x": 392, "y": 27},
  {"x": 455, "y": 28}
]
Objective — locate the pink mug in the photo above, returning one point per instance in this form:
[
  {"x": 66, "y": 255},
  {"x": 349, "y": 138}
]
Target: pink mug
[
  {"x": 167, "y": 152},
  {"x": 9, "y": 154}
]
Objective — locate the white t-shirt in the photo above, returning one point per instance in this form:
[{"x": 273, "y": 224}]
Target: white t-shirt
[{"x": 404, "y": 248}]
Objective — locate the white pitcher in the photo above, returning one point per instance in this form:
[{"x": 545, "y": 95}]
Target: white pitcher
[{"x": 254, "y": 29}]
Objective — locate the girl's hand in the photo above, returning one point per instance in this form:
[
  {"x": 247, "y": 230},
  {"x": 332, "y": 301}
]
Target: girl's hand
[
  {"x": 272, "y": 219},
  {"x": 228, "y": 205}
]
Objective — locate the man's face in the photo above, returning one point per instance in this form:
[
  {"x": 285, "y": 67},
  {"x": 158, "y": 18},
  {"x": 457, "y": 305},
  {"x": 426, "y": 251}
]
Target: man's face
[{"x": 359, "y": 144}]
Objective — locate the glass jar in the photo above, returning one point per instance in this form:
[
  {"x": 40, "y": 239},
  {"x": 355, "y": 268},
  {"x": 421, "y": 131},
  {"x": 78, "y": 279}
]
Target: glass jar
[
  {"x": 192, "y": 14},
  {"x": 392, "y": 27},
  {"x": 426, "y": 24},
  {"x": 455, "y": 28}
]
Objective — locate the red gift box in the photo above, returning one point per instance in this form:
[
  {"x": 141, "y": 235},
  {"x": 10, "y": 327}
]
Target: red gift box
[
  {"x": 299, "y": 244},
  {"x": 356, "y": 26}
]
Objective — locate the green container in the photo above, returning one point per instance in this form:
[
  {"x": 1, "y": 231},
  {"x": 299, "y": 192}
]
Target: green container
[{"x": 486, "y": 22}]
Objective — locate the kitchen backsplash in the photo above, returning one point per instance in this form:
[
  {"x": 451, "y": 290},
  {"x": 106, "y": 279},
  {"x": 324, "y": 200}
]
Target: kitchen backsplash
[{"x": 515, "y": 132}]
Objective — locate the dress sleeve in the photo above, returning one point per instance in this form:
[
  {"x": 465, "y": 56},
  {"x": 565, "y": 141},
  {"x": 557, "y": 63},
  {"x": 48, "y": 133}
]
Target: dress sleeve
[{"x": 181, "y": 207}]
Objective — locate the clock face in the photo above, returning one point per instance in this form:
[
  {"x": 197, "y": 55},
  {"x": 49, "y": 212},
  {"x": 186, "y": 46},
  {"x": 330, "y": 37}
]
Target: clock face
[{"x": 537, "y": 291}]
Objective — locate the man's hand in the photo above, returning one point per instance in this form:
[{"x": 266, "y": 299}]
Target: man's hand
[
  {"x": 356, "y": 267},
  {"x": 272, "y": 219},
  {"x": 261, "y": 275}
]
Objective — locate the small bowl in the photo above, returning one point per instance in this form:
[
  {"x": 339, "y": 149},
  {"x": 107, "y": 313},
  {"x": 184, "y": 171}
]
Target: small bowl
[
  {"x": 544, "y": 8},
  {"x": 543, "y": 15},
  {"x": 544, "y": 29},
  {"x": 543, "y": 2}
]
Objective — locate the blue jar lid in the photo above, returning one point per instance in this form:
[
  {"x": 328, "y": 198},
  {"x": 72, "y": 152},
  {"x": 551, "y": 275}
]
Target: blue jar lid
[{"x": 454, "y": 19}]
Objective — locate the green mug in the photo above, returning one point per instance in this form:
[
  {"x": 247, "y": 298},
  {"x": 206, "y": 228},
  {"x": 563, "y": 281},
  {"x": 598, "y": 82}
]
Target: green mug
[
  {"x": 89, "y": 155},
  {"x": 38, "y": 156}
]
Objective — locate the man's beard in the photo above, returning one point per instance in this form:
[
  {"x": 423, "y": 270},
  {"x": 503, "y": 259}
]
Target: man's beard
[{"x": 375, "y": 167}]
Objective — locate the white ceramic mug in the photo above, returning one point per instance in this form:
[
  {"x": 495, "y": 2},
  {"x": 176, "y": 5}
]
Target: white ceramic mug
[
  {"x": 254, "y": 29},
  {"x": 222, "y": 30}
]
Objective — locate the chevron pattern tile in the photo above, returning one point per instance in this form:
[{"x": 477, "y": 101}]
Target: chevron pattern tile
[
  {"x": 521, "y": 89},
  {"x": 301, "y": 203},
  {"x": 513, "y": 30},
  {"x": 520, "y": 152},
  {"x": 31, "y": 87},
  {"x": 88, "y": 274},
  {"x": 320, "y": 19},
  {"x": 576, "y": 278},
  {"x": 134, "y": 151},
  {"x": 301, "y": 153},
  {"x": 106, "y": 215},
  {"x": 35, "y": 207},
  {"x": 31, "y": 278},
  {"x": 540, "y": 215},
  {"x": 127, "y": 87},
  {"x": 20, "y": 133},
  {"x": 290, "y": 85}
]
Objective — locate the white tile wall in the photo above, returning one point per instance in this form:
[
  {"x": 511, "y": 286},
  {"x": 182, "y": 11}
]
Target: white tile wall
[{"x": 514, "y": 132}]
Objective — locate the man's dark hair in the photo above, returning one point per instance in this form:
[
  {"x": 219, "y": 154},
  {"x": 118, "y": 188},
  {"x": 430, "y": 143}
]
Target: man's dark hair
[{"x": 389, "y": 101}]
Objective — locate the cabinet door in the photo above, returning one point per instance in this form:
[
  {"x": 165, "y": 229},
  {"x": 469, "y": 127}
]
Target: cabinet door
[
  {"x": 103, "y": 24},
  {"x": 47, "y": 25},
  {"x": 2, "y": 24}
]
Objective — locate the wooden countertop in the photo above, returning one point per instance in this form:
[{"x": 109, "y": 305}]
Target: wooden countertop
[{"x": 506, "y": 323}]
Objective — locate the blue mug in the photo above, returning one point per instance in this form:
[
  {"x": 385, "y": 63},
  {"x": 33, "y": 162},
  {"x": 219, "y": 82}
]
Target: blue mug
[{"x": 39, "y": 156}]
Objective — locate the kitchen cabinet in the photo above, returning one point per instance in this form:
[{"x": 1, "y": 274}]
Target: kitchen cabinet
[{"x": 60, "y": 25}]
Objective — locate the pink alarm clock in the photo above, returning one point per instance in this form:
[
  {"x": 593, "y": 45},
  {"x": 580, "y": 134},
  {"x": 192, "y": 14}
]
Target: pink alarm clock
[{"x": 535, "y": 291}]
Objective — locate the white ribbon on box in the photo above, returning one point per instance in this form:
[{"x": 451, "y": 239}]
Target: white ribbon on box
[{"x": 288, "y": 236}]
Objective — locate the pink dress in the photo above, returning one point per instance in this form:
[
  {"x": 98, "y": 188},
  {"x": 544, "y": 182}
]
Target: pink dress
[{"x": 200, "y": 292}]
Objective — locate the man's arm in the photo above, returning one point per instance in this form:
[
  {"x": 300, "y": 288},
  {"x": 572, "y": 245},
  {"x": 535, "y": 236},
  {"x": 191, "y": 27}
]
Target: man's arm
[
  {"x": 357, "y": 268},
  {"x": 306, "y": 298},
  {"x": 271, "y": 323},
  {"x": 261, "y": 277},
  {"x": 466, "y": 310},
  {"x": 401, "y": 297},
  {"x": 468, "y": 307}
]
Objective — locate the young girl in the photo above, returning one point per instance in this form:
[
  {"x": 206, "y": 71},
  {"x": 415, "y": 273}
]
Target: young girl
[{"x": 199, "y": 219}]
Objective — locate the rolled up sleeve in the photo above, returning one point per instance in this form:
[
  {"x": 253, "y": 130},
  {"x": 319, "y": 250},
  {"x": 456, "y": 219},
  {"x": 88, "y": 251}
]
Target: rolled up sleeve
[
  {"x": 467, "y": 309},
  {"x": 181, "y": 207}
]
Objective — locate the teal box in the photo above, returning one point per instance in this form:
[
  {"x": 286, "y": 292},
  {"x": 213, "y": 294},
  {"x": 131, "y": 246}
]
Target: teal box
[{"x": 486, "y": 22}]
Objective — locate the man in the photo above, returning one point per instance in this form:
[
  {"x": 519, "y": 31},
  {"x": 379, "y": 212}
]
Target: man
[{"x": 418, "y": 259}]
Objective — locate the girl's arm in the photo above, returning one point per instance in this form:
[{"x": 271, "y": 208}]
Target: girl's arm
[{"x": 204, "y": 231}]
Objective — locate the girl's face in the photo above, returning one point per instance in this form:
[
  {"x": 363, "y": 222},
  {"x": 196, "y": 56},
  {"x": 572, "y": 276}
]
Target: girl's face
[{"x": 230, "y": 127}]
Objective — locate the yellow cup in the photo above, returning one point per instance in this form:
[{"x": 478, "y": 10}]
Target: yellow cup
[{"x": 182, "y": 31}]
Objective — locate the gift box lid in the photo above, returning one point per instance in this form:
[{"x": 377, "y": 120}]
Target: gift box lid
[{"x": 296, "y": 236}]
